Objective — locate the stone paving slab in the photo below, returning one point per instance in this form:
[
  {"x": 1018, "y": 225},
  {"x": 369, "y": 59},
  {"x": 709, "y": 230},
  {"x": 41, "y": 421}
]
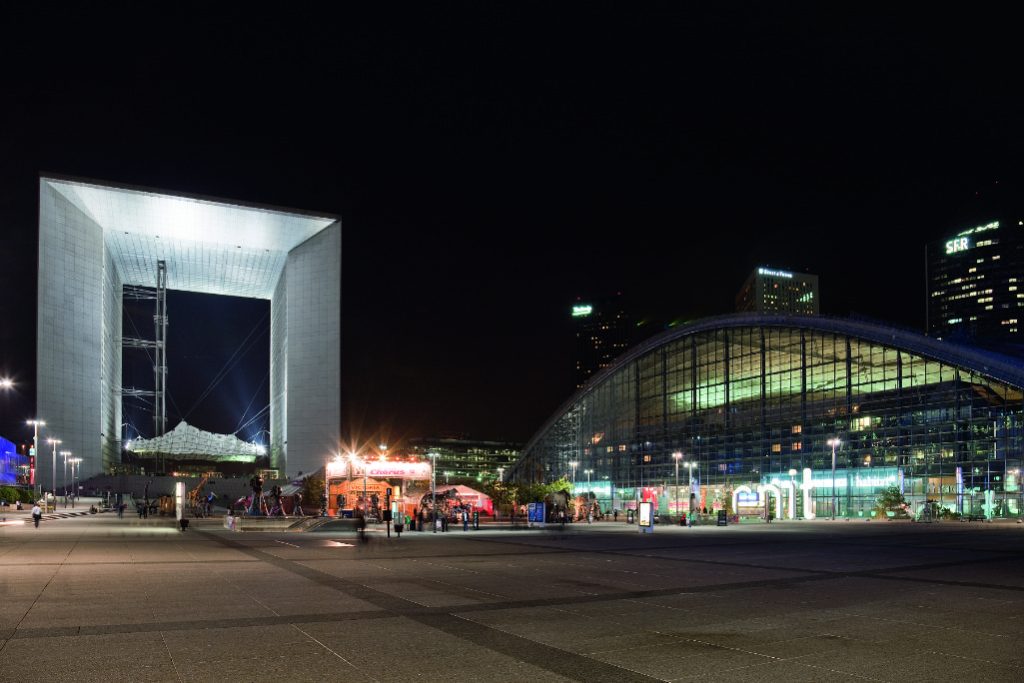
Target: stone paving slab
[{"x": 102, "y": 598}]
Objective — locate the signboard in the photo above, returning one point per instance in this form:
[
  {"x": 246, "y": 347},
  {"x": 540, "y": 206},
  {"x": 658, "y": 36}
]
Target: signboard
[
  {"x": 958, "y": 244},
  {"x": 646, "y": 514},
  {"x": 179, "y": 499},
  {"x": 774, "y": 273},
  {"x": 535, "y": 513},
  {"x": 378, "y": 469},
  {"x": 582, "y": 310}
]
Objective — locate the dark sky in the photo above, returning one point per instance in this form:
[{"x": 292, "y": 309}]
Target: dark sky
[{"x": 492, "y": 162}]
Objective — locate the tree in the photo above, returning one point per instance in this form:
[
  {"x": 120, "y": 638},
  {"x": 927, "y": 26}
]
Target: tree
[
  {"x": 891, "y": 500},
  {"x": 312, "y": 490}
]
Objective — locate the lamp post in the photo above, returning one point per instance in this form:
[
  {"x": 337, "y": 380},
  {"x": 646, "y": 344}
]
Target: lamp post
[
  {"x": 833, "y": 442},
  {"x": 689, "y": 477},
  {"x": 573, "y": 464},
  {"x": 74, "y": 483},
  {"x": 677, "y": 456},
  {"x": 64, "y": 481},
  {"x": 35, "y": 439},
  {"x": 433, "y": 488},
  {"x": 53, "y": 472}
]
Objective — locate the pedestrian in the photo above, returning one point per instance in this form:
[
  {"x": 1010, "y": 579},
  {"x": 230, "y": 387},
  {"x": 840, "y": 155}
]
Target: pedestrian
[
  {"x": 465, "y": 520},
  {"x": 37, "y": 514},
  {"x": 361, "y": 525}
]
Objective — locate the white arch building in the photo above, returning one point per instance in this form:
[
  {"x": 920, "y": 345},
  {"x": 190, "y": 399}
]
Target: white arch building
[{"x": 96, "y": 238}]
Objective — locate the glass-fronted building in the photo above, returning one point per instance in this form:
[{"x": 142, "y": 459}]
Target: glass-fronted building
[
  {"x": 770, "y": 290},
  {"x": 741, "y": 413},
  {"x": 13, "y": 467},
  {"x": 467, "y": 459},
  {"x": 976, "y": 283}
]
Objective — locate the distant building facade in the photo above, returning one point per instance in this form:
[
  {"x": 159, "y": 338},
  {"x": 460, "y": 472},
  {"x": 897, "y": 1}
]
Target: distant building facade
[
  {"x": 467, "y": 459},
  {"x": 603, "y": 333},
  {"x": 13, "y": 466},
  {"x": 976, "y": 283},
  {"x": 769, "y": 290}
]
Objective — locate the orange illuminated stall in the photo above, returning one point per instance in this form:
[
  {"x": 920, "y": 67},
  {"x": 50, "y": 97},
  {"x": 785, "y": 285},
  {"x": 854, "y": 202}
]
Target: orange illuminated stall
[{"x": 348, "y": 476}]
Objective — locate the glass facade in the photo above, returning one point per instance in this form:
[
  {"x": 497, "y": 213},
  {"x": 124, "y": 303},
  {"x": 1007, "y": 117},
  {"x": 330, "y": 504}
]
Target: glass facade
[
  {"x": 976, "y": 283},
  {"x": 13, "y": 467},
  {"x": 464, "y": 459},
  {"x": 748, "y": 405},
  {"x": 769, "y": 290}
]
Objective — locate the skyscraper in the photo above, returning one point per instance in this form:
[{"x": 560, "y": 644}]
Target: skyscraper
[
  {"x": 602, "y": 334},
  {"x": 768, "y": 290},
  {"x": 975, "y": 281}
]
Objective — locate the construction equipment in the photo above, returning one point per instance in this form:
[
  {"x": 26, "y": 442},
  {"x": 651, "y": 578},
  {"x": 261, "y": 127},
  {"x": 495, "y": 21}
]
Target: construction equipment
[{"x": 195, "y": 502}]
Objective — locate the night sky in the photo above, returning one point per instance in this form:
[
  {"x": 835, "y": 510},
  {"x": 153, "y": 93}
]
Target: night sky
[{"x": 493, "y": 162}]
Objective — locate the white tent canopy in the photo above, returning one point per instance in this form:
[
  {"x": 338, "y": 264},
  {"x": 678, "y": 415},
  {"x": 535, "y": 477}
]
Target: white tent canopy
[{"x": 186, "y": 442}]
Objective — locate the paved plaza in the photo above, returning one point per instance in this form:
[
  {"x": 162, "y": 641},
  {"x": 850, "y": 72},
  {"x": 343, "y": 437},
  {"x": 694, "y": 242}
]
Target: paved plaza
[{"x": 100, "y": 598}]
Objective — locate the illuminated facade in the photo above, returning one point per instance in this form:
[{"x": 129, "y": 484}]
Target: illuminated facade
[
  {"x": 750, "y": 402},
  {"x": 603, "y": 330},
  {"x": 97, "y": 239},
  {"x": 466, "y": 459},
  {"x": 768, "y": 290},
  {"x": 13, "y": 467},
  {"x": 976, "y": 283}
]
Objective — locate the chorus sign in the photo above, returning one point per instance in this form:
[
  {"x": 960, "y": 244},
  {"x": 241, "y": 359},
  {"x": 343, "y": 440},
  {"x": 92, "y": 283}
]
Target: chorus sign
[
  {"x": 379, "y": 469},
  {"x": 958, "y": 244},
  {"x": 398, "y": 470}
]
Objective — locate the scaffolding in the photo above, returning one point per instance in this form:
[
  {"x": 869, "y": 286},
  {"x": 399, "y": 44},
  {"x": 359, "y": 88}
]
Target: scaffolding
[{"x": 158, "y": 295}]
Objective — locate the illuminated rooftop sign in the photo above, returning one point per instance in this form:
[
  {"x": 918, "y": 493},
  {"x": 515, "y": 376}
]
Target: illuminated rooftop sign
[
  {"x": 958, "y": 244},
  {"x": 774, "y": 273},
  {"x": 582, "y": 310},
  {"x": 994, "y": 225}
]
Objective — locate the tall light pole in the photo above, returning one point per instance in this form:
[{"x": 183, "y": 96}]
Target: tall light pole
[
  {"x": 53, "y": 471},
  {"x": 573, "y": 464},
  {"x": 689, "y": 477},
  {"x": 64, "y": 481},
  {"x": 74, "y": 462},
  {"x": 833, "y": 442},
  {"x": 35, "y": 439},
  {"x": 677, "y": 456},
  {"x": 433, "y": 488}
]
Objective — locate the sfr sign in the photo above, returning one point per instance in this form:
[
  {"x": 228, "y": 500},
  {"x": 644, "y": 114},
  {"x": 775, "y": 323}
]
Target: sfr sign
[{"x": 958, "y": 244}]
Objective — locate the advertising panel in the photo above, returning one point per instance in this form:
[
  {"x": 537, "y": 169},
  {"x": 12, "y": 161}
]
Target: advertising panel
[{"x": 646, "y": 514}]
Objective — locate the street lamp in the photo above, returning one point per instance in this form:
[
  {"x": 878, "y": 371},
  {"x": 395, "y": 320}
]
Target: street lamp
[
  {"x": 6, "y": 383},
  {"x": 833, "y": 442},
  {"x": 433, "y": 488},
  {"x": 74, "y": 462},
  {"x": 53, "y": 471},
  {"x": 64, "y": 481},
  {"x": 677, "y": 456},
  {"x": 35, "y": 438},
  {"x": 573, "y": 465}
]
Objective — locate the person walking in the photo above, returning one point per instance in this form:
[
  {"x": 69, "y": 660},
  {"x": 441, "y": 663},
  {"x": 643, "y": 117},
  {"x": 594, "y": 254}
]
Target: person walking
[{"x": 37, "y": 514}]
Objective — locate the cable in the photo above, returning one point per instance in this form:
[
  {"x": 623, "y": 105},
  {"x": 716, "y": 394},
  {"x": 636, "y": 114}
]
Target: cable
[
  {"x": 246, "y": 412},
  {"x": 233, "y": 360}
]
